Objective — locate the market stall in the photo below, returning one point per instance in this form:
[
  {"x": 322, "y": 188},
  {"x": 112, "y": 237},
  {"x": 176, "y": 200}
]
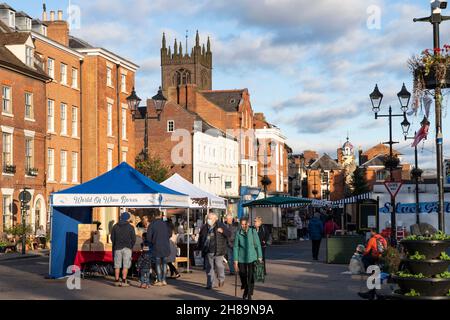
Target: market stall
[
  {"x": 199, "y": 199},
  {"x": 274, "y": 212},
  {"x": 122, "y": 187}
]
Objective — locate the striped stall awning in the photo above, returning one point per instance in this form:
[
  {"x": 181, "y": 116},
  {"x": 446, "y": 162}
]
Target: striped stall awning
[{"x": 353, "y": 199}]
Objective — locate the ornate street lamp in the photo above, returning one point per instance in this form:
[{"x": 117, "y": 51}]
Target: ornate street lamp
[
  {"x": 405, "y": 126},
  {"x": 159, "y": 101},
  {"x": 133, "y": 102},
  {"x": 404, "y": 96},
  {"x": 376, "y": 97}
]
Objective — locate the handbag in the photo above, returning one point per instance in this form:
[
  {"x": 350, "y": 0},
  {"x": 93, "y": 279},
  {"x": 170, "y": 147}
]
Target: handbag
[{"x": 258, "y": 270}]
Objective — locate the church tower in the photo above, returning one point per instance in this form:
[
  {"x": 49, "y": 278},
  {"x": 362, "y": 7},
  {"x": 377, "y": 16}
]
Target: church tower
[{"x": 181, "y": 68}]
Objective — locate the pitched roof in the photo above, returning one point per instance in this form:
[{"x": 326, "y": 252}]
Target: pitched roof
[
  {"x": 12, "y": 38},
  {"x": 228, "y": 100},
  {"x": 4, "y": 27},
  {"x": 22, "y": 14},
  {"x": 10, "y": 61},
  {"x": 325, "y": 162},
  {"x": 375, "y": 161},
  {"x": 379, "y": 149},
  {"x": 77, "y": 43},
  {"x": 6, "y": 6}
]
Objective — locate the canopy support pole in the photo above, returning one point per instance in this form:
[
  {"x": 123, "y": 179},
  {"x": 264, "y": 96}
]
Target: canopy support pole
[{"x": 188, "y": 238}]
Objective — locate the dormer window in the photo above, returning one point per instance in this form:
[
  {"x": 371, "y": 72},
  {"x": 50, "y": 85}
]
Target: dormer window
[
  {"x": 29, "y": 53},
  {"x": 12, "y": 19}
]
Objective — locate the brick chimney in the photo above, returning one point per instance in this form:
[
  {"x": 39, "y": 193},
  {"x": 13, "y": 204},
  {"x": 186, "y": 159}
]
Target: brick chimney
[
  {"x": 186, "y": 96},
  {"x": 58, "y": 30}
]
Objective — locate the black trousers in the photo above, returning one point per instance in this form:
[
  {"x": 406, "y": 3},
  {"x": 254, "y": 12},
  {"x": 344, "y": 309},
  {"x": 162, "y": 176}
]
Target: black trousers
[
  {"x": 172, "y": 268},
  {"x": 264, "y": 258},
  {"x": 246, "y": 273},
  {"x": 316, "y": 248}
]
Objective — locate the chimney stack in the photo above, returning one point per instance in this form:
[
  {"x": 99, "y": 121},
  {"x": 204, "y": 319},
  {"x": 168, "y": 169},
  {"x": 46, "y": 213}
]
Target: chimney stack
[
  {"x": 52, "y": 15},
  {"x": 60, "y": 15}
]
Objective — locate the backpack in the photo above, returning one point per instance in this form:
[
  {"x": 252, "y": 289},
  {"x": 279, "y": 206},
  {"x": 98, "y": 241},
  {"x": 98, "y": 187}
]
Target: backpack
[{"x": 381, "y": 245}]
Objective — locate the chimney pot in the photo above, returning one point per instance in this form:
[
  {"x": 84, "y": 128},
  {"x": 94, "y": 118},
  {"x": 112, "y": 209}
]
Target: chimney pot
[
  {"x": 60, "y": 15},
  {"x": 52, "y": 15},
  {"x": 44, "y": 16}
]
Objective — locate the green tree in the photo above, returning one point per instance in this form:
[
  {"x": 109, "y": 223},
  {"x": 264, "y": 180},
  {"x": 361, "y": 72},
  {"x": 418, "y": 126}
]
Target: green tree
[
  {"x": 359, "y": 182},
  {"x": 153, "y": 168}
]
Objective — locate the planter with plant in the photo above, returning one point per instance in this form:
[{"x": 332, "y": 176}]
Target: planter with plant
[
  {"x": 430, "y": 69},
  {"x": 424, "y": 274},
  {"x": 3, "y": 246}
]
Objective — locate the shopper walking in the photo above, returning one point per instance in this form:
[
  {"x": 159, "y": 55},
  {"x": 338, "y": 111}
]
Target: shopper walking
[
  {"x": 212, "y": 242},
  {"x": 315, "y": 228},
  {"x": 264, "y": 236},
  {"x": 158, "y": 235},
  {"x": 123, "y": 239},
  {"x": 247, "y": 250},
  {"x": 232, "y": 227}
]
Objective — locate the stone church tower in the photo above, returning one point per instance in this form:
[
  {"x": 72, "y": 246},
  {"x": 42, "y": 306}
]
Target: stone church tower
[{"x": 181, "y": 68}]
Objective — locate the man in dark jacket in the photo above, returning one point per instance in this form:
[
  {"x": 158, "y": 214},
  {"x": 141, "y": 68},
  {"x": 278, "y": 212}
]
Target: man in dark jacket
[
  {"x": 158, "y": 236},
  {"x": 264, "y": 236},
  {"x": 213, "y": 240},
  {"x": 315, "y": 234},
  {"x": 232, "y": 227},
  {"x": 123, "y": 239}
]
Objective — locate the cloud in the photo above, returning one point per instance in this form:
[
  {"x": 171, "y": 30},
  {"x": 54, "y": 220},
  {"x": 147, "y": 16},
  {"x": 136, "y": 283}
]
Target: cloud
[
  {"x": 322, "y": 120},
  {"x": 303, "y": 100}
]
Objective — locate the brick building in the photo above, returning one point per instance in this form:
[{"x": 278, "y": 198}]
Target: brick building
[
  {"x": 22, "y": 123},
  {"x": 372, "y": 161},
  {"x": 272, "y": 155},
  {"x": 325, "y": 179},
  {"x": 187, "y": 81},
  {"x": 88, "y": 128}
]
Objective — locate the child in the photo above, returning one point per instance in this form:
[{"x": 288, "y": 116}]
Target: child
[{"x": 144, "y": 265}]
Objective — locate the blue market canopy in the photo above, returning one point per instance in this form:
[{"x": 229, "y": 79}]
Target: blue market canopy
[
  {"x": 122, "y": 186},
  {"x": 279, "y": 201}
]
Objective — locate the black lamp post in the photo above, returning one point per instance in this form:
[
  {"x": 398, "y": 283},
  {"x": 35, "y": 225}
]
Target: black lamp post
[
  {"x": 436, "y": 18},
  {"x": 392, "y": 162},
  {"x": 159, "y": 102}
]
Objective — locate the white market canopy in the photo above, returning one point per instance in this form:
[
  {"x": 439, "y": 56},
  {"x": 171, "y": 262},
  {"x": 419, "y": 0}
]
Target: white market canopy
[{"x": 181, "y": 185}]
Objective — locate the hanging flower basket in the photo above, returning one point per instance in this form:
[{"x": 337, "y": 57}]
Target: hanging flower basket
[{"x": 431, "y": 69}]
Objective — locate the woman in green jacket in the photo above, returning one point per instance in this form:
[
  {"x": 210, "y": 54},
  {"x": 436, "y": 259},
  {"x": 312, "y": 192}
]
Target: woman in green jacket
[{"x": 247, "y": 249}]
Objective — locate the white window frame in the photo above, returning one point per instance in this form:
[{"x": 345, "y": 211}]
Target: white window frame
[
  {"x": 51, "y": 68},
  {"x": 50, "y": 164},
  {"x": 170, "y": 125},
  {"x": 63, "y": 73},
  {"x": 124, "y": 156},
  {"x": 74, "y": 167},
  {"x": 7, "y": 100},
  {"x": 123, "y": 83},
  {"x": 29, "y": 54},
  {"x": 74, "y": 122},
  {"x": 29, "y": 153},
  {"x": 63, "y": 165},
  {"x": 7, "y": 207},
  {"x": 50, "y": 116},
  {"x": 10, "y": 132},
  {"x": 109, "y": 119},
  {"x": 63, "y": 116},
  {"x": 109, "y": 76},
  {"x": 29, "y": 102},
  {"x": 74, "y": 78},
  {"x": 124, "y": 124},
  {"x": 109, "y": 158}
]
